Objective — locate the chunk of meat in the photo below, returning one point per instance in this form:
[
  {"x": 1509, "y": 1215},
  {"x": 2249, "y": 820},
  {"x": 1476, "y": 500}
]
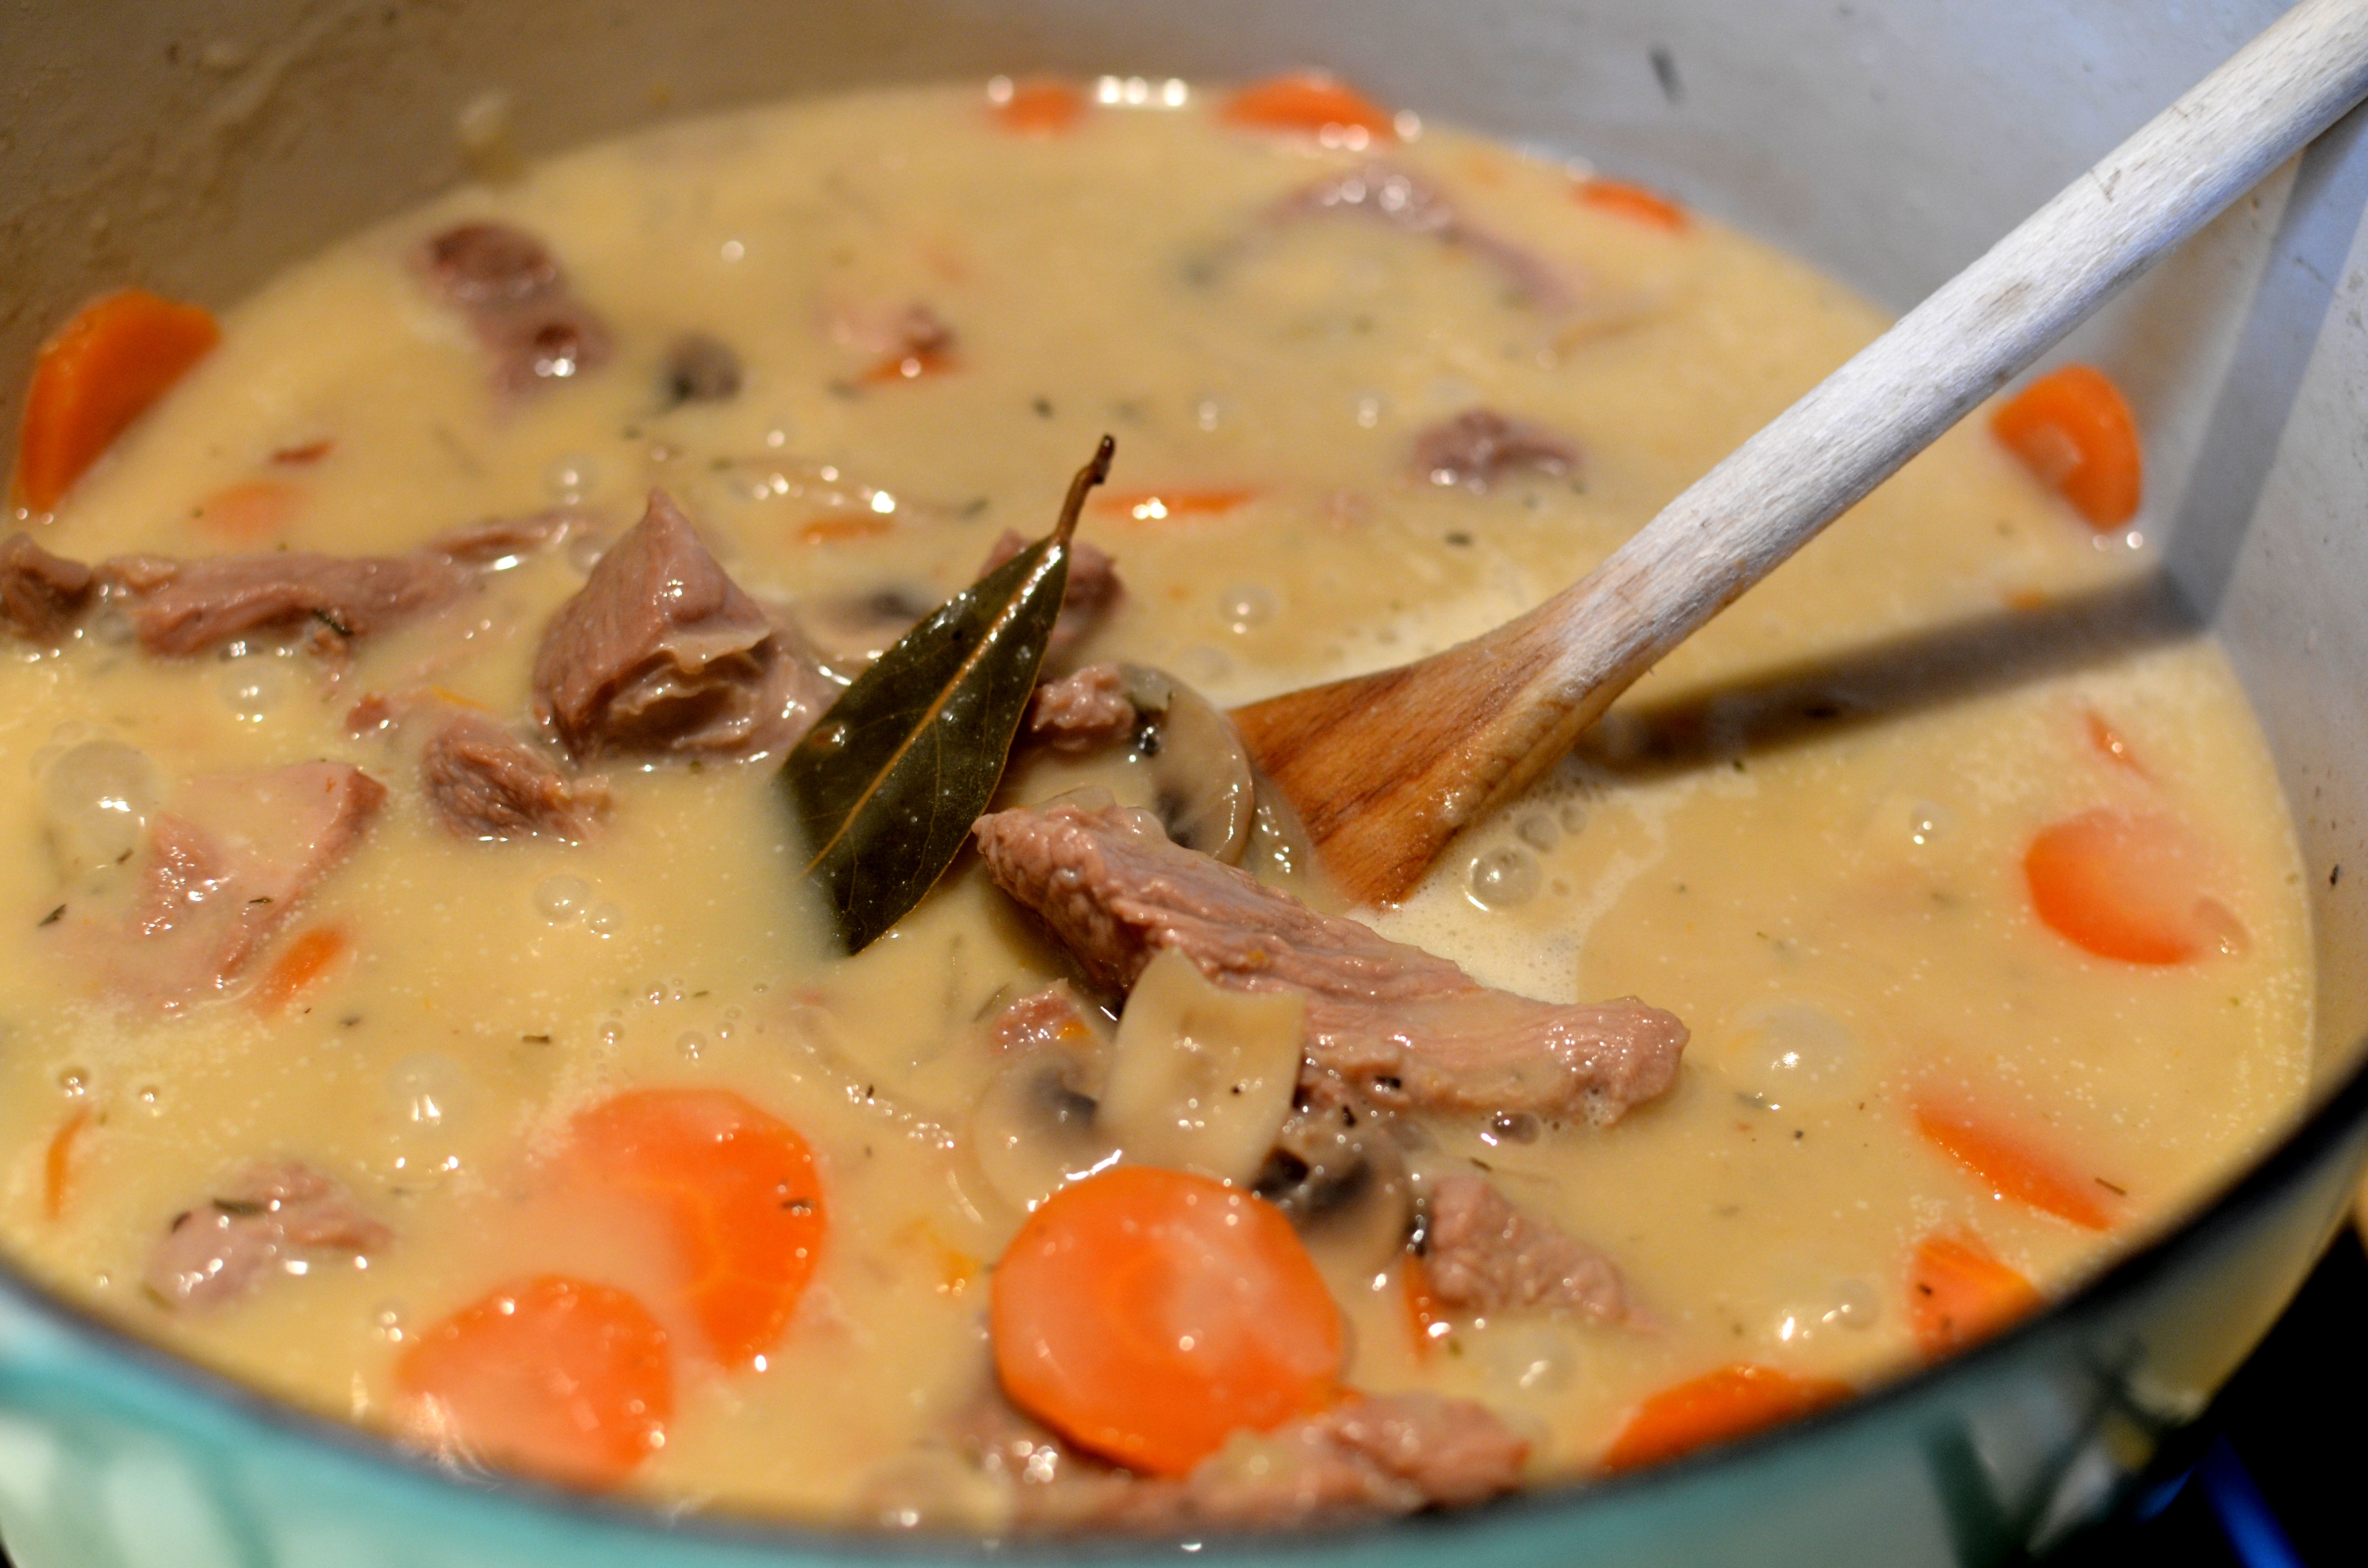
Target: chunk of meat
[
  {"x": 1083, "y": 711},
  {"x": 517, "y": 299},
  {"x": 1054, "y": 1015},
  {"x": 1092, "y": 591},
  {"x": 1393, "y": 194},
  {"x": 222, "y": 869},
  {"x": 485, "y": 782},
  {"x": 40, "y": 595},
  {"x": 179, "y": 607},
  {"x": 1374, "y": 1456},
  {"x": 1395, "y": 1025},
  {"x": 660, "y": 653},
  {"x": 1480, "y": 446},
  {"x": 268, "y": 1215},
  {"x": 1484, "y": 1255}
]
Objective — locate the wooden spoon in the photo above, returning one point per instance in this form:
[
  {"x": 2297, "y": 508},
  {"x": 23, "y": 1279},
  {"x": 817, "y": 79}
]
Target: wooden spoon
[{"x": 1384, "y": 768}]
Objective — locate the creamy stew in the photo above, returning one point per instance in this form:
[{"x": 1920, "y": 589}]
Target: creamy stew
[{"x": 416, "y": 1008}]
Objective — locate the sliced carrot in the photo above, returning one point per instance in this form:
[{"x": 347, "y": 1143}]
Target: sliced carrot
[
  {"x": 2072, "y": 428},
  {"x": 300, "y": 967},
  {"x": 1042, "y": 106},
  {"x": 2111, "y": 747},
  {"x": 2012, "y": 1166},
  {"x": 57, "y": 1162},
  {"x": 119, "y": 354},
  {"x": 1157, "y": 506},
  {"x": 910, "y": 366},
  {"x": 1310, "y": 103},
  {"x": 737, "y": 1188},
  {"x": 254, "y": 511},
  {"x": 304, "y": 454},
  {"x": 1426, "y": 1319},
  {"x": 842, "y": 528},
  {"x": 1635, "y": 202},
  {"x": 1958, "y": 1292},
  {"x": 1717, "y": 1407},
  {"x": 561, "y": 1377},
  {"x": 2128, "y": 885},
  {"x": 1145, "y": 1315}
]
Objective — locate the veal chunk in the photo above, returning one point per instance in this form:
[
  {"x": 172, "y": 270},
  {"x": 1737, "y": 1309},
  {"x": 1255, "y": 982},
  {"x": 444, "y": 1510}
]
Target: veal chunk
[
  {"x": 1369, "y": 1456},
  {"x": 223, "y": 869},
  {"x": 40, "y": 593},
  {"x": 1484, "y": 1255},
  {"x": 265, "y": 1215},
  {"x": 660, "y": 653},
  {"x": 485, "y": 782},
  {"x": 1092, "y": 591},
  {"x": 187, "y": 607},
  {"x": 1395, "y": 1025}
]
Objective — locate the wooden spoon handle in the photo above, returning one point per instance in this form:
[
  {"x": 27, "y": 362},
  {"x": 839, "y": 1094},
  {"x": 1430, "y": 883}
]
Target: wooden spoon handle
[{"x": 1385, "y": 768}]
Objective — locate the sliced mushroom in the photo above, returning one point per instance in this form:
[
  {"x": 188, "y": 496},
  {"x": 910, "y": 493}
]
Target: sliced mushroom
[
  {"x": 1201, "y": 1077},
  {"x": 1199, "y": 776},
  {"x": 699, "y": 368},
  {"x": 1033, "y": 1131},
  {"x": 1339, "y": 1174}
]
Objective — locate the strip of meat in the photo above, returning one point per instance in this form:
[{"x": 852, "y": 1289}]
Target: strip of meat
[
  {"x": 1374, "y": 1456},
  {"x": 1398, "y": 196},
  {"x": 485, "y": 782},
  {"x": 517, "y": 302},
  {"x": 222, "y": 870},
  {"x": 40, "y": 593},
  {"x": 180, "y": 607},
  {"x": 660, "y": 653},
  {"x": 267, "y": 1215},
  {"x": 1083, "y": 711},
  {"x": 495, "y": 542},
  {"x": 1483, "y": 1256},
  {"x": 1396, "y": 1025},
  {"x": 1092, "y": 591},
  {"x": 1480, "y": 446}
]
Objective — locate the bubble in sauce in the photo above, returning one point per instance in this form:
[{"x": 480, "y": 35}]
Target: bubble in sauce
[
  {"x": 560, "y": 899},
  {"x": 254, "y": 687},
  {"x": 1499, "y": 878},
  {"x": 1573, "y": 817},
  {"x": 427, "y": 1091},
  {"x": 603, "y": 919},
  {"x": 1245, "y": 606},
  {"x": 691, "y": 1044},
  {"x": 74, "y": 1082},
  {"x": 1539, "y": 830},
  {"x": 570, "y": 477},
  {"x": 97, "y": 796},
  {"x": 1791, "y": 1053}
]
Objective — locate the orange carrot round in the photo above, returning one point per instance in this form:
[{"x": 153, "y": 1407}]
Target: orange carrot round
[
  {"x": 120, "y": 354},
  {"x": 250, "y": 511},
  {"x": 1636, "y": 202},
  {"x": 1161, "y": 506},
  {"x": 300, "y": 967},
  {"x": 559, "y": 1377},
  {"x": 737, "y": 1188},
  {"x": 1145, "y": 1313},
  {"x": 1308, "y": 103},
  {"x": 1717, "y": 1407},
  {"x": 2013, "y": 1167},
  {"x": 2126, "y": 885},
  {"x": 2072, "y": 428},
  {"x": 1042, "y": 106},
  {"x": 1958, "y": 1292}
]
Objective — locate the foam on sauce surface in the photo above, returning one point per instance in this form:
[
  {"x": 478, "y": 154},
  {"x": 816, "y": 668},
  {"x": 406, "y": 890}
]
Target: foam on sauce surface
[{"x": 1827, "y": 885}]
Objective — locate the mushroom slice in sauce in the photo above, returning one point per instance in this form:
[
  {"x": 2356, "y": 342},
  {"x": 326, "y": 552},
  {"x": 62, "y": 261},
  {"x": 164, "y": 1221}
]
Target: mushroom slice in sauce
[
  {"x": 1200, "y": 1078},
  {"x": 1176, "y": 754},
  {"x": 1033, "y": 1131}
]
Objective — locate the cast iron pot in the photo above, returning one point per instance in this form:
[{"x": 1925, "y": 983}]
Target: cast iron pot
[{"x": 195, "y": 147}]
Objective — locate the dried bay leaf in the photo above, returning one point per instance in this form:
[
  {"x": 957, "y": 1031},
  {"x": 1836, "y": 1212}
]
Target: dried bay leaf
[{"x": 887, "y": 782}]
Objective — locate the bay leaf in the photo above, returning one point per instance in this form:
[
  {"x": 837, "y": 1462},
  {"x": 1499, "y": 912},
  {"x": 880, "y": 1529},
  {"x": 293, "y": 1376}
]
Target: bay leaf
[{"x": 888, "y": 781}]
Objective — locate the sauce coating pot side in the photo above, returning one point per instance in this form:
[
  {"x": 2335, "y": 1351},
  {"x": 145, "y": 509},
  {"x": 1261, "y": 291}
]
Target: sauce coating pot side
[{"x": 1888, "y": 147}]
